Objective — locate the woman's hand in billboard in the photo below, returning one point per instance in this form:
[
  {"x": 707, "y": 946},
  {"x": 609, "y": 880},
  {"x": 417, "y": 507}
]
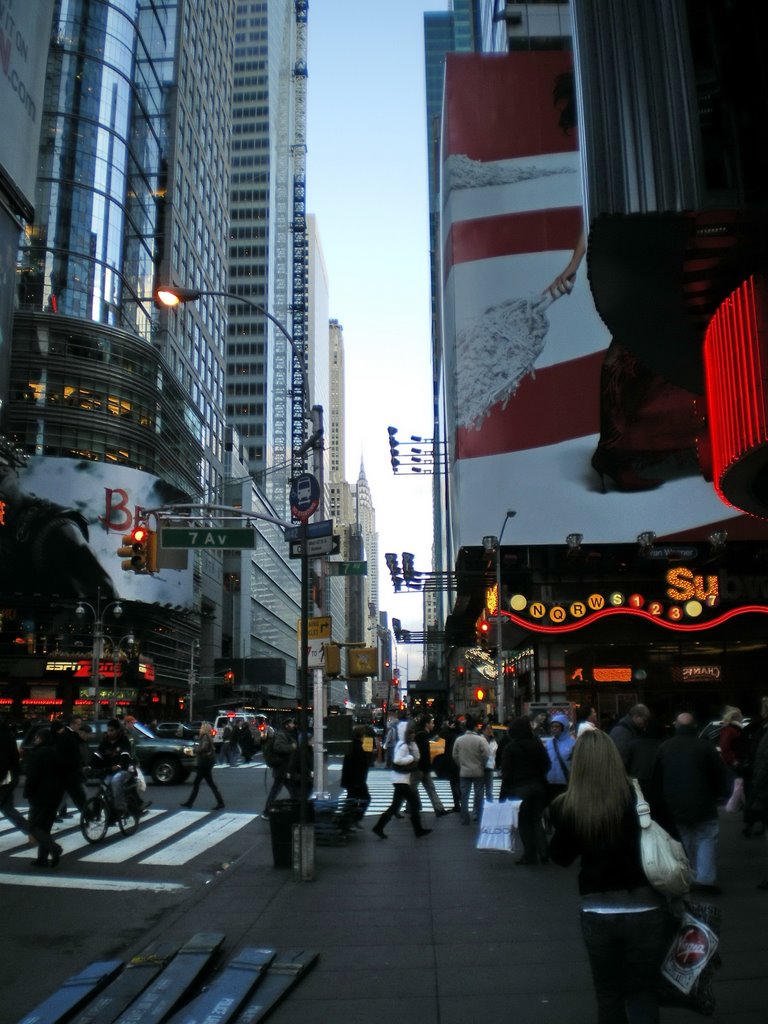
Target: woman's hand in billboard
[{"x": 563, "y": 283}]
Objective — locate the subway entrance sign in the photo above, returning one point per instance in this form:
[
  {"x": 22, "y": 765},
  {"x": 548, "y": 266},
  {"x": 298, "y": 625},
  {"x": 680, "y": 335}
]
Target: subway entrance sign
[{"x": 232, "y": 537}]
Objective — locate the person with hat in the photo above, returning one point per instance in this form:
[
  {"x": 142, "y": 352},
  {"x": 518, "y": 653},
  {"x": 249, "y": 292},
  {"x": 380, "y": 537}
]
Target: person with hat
[{"x": 559, "y": 746}]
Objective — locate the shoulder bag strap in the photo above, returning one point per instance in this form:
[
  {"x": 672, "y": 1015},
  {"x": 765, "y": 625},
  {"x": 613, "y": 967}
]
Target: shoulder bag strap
[
  {"x": 641, "y": 806},
  {"x": 563, "y": 765}
]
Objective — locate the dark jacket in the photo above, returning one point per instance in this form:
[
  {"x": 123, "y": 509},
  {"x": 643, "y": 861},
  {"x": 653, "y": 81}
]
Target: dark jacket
[
  {"x": 9, "y": 753},
  {"x": 604, "y": 867},
  {"x": 524, "y": 762},
  {"x": 638, "y": 748},
  {"x": 44, "y": 783},
  {"x": 354, "y": 768},
  {"x": 70, "y": 746},
  {"x": 689, "y": 777},
  {"x": 421, "y": 739}
]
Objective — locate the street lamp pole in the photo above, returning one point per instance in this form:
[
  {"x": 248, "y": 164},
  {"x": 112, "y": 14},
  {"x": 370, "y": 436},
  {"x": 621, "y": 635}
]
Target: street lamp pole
[
  {"x": 98, "y": 638},
  {"x": 173, "y": 295},
  {"x": 115, "y": 662},
  {"x": 501, "y": 697}
]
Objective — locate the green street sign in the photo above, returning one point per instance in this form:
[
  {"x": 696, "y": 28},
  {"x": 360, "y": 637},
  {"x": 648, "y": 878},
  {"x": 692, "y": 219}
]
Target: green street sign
[
  {"x": 233, "y": 537},
  {"x": 347, "y": 568}
]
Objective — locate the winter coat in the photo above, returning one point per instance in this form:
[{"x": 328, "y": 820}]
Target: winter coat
[
  {"x": 404, "y": 754},
  {"x": 354, "y": 768},
  {"x": 44, "y": 782},
  {"x": 690, "y": 777},
  {"x": 471, "y": 753},
  {"x": 524, "y": 763},
  {"x": 562, "y": 745}
]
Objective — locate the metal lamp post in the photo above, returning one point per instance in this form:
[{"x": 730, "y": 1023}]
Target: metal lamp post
[
  {"x": 501, "y": 697},
  {"x": 115, "y": 661},
  {"x": 170, "y": 296},
  {"x": 98, "y": 614},
  {"x": 193, "y": 650}
]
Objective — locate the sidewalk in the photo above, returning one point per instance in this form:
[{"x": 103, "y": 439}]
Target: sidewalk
[{"x": 431, "y": 931}]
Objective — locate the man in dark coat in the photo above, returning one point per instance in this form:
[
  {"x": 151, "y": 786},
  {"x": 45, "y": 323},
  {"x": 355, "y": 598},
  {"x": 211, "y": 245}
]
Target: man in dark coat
[
  {"x": 72, "y": 751},
  {"x": 690, "y": 778},
  {"x": 282, "y": 759},
  {"x": 9, "y": 777},
  {"x": 44, "y": 789},
  {"x": 636, "y": 745}
]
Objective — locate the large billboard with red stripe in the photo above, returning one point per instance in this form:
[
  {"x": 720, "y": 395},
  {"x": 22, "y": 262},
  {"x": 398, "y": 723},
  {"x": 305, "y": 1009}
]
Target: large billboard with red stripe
[{"x": 546, "y": 413}]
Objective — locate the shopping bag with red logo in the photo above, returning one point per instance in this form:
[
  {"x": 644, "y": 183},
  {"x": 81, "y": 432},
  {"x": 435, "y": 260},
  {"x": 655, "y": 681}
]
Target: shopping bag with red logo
[{"x": 692, "y": 959}]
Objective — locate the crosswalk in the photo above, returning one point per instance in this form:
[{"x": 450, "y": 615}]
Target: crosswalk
[{"x": 380, "y": 788}]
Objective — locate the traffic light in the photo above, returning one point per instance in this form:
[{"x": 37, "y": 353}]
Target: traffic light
[
  {"x": 229, "y": 677},
  {"x": 479, "y": 694},
  {"x": 408, "y": 571},
  {"x": 139, "y": 551},
  {"x": 483, "y": 629}
]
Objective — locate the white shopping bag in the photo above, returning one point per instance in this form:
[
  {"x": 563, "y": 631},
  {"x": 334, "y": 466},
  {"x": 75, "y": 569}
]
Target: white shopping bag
[{"x": 498, "y": 827}]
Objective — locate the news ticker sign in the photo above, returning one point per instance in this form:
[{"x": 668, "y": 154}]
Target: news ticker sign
[
  {"x": 686, "y": 600},
  {"x": 82, "y": 668}
]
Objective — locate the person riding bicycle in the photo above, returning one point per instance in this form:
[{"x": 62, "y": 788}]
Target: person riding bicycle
[{"x": 115, "y": 752}]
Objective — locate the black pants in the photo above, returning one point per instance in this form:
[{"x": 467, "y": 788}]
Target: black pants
[
  {"x": 205, "y": 774},
  {"x": 41, "y": 819},
  {"x": 404, "y": 792},
  {"x": 529, "y": 822},
  {"x": 625, "y": 953}
]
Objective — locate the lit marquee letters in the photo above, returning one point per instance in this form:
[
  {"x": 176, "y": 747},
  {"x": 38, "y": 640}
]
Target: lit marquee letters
[{"x": 684, "y": 585}]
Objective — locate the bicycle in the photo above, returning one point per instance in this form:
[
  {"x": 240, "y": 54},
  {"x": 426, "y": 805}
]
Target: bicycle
[{"x": 100, "y": 812}]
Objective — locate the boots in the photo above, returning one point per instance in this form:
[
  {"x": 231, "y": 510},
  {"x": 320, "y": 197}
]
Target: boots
[{"x": 418, "y": 831}]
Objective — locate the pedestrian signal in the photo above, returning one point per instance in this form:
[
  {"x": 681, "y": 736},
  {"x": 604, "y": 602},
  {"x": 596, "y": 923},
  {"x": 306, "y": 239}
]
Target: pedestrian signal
[{"x": 479, "y": 694}]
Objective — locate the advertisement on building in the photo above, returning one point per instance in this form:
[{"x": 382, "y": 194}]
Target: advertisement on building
[
  {"x": 62, "y": 522},
  {"x": 546, "y": 413},
  {"x": 24, "y": 39}
]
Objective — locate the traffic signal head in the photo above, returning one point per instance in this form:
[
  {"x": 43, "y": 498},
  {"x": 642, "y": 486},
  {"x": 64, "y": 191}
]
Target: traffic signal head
[
  {"x": 479, "y": 694},
  {"x": 139, "y": 551}
]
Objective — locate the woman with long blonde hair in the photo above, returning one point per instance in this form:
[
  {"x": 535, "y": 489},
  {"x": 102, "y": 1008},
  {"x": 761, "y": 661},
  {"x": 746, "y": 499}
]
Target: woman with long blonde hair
[
  {"x": 622, "y": 917},
  {"x": 206, "y": 758}
]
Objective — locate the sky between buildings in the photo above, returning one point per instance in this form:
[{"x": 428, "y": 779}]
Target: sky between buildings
[{"x": 367, "y": 186}]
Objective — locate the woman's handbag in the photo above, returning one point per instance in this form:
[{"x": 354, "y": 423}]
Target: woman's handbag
[{"x": 664, "y": 861}]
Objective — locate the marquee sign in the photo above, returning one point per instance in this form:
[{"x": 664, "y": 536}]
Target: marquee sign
[{"x": 689, "y": 602}]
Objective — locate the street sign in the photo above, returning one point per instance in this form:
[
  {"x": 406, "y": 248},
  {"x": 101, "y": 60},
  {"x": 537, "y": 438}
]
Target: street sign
[
  {"x": 347, "y": 568},
  {"x": 304, "y": 496},
  {"x": 320, "y": 528},
  {"x": 318, "y": 635},
  {"x": 316, "y": 546},
  {"x": 233, "y": 537}
]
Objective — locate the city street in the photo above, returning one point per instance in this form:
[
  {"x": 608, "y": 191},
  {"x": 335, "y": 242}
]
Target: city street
[{"x": 423, "y": 929}]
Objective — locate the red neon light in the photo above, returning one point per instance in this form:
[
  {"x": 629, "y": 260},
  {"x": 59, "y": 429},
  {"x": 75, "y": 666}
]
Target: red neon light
[
  {"x": 47, "y": 701},
  {"x": 6, "y": 700},
  {"x": 638, "y": 613}
]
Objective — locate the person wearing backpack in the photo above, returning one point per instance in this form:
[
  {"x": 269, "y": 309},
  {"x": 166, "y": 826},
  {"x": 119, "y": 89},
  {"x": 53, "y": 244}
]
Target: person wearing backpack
[{"x": 279, "y": 752}]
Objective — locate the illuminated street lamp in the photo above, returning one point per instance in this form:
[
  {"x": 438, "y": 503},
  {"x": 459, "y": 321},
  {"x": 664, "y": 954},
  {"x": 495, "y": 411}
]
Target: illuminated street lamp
[{"x": 116, "y": 648}]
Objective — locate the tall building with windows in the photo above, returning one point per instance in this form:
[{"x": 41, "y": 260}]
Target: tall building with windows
[
  {"x": 263, "y": 165},
  {"x": 114, "y": 408}
]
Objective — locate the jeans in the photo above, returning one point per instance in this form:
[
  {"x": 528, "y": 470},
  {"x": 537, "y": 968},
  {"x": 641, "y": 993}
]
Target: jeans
[
  {"x": 280, "y": 778},
  {"x": 700, "y": 843},
  {"x": 426, "y": 780},
  {"x": 625, "y": 953},
  {"x": 467, "y": 785}
]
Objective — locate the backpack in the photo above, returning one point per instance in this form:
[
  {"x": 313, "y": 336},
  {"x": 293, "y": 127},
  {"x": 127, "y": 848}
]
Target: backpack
[{"x": 268, "y": 749}]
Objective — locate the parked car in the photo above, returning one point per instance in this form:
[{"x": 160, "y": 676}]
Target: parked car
[{"x": 164, "y": 760}]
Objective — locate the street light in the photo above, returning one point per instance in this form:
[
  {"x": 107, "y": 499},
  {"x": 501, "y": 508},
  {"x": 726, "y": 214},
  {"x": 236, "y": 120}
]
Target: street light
[
  {"x": 500, "y": 694},
  {"x": 170, "y": 295},
  {"x": 115, "y": 661},
  {"x": 98, "y": 614}
]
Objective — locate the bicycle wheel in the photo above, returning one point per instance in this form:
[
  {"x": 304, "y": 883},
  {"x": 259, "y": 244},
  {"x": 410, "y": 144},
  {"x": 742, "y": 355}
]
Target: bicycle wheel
[
  {"x": 127, "y": 821},
  {"x": 94, "y": 819}
]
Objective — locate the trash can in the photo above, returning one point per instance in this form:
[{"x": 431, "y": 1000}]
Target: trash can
[{"x": 283, "y": 815}]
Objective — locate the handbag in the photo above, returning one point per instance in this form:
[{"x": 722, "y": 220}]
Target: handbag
[
  {"x": 498, "y": 826},
  {"x": 664, "y": 861}
]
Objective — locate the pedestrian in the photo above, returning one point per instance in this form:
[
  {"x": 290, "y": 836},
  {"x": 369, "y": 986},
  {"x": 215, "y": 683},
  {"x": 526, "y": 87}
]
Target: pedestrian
[
  {"x": 9, "y": 777},
  {"x": 586, "y": 719},
  {"x": 423, "y": 774},
  {"x": 405, "y": 760},
  {"x": 637, "y": 744},
  {"x": 754, "y": 733},
  {"x": 623, "y": 920},
  {"x": 690, "y": 778},
  {"x": 449, "y": 734},
  {"x": 73, "y": 754},
  {"x": 471, "y": 754},
  {"x": 244, "y": 741},
  {"x": 206, "y": 758},
  {"x": 559, "y": 746},
  {"x": 354, "y": 778},
  {"x": 524, "y": 767},
  {"x": 280, "y": 754},
  {"x": 490, "y": 768},
  {"x": 43, "y": 788},
  {"x": 225, "y": 749},
  {"x": 390, "y": 736}
]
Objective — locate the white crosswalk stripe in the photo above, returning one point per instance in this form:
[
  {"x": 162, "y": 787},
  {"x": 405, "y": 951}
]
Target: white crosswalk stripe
[{"x": 380, "y": 788}]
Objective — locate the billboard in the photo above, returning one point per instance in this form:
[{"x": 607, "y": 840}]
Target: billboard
[
  {"x": 546, "y": 413},
  {"x": 25, "y": 34},
  {"x": 62, "y": 521}
]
